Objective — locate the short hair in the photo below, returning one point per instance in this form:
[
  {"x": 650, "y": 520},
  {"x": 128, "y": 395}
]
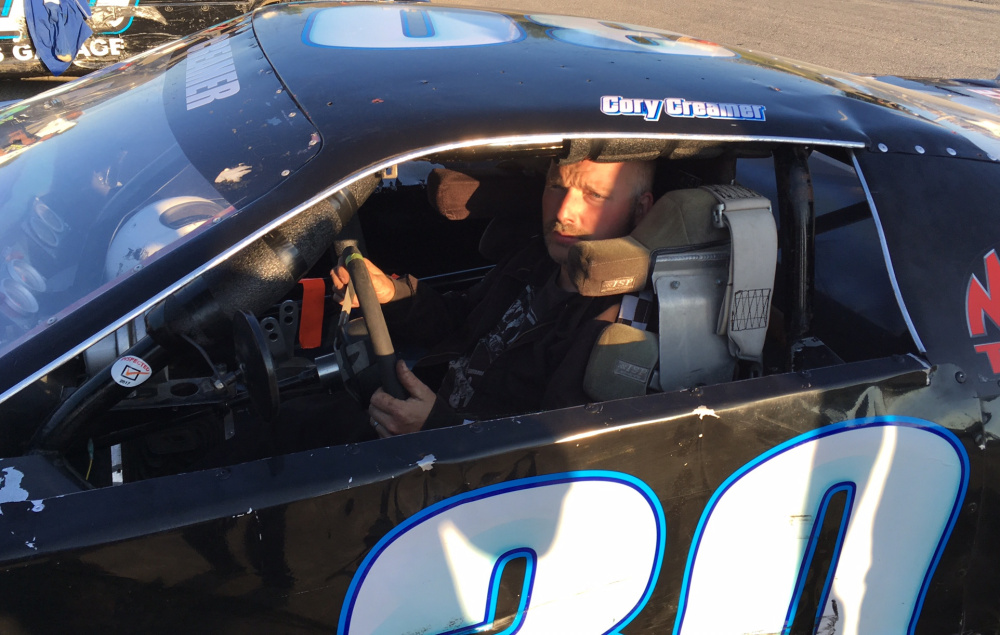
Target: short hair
[{"x": 643, "y": 178}]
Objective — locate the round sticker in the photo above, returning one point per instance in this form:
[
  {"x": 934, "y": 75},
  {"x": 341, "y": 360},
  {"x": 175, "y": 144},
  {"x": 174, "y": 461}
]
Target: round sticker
[{"x": 130, "y": 371}]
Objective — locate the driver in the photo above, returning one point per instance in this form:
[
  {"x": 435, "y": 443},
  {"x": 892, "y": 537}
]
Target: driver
[{"x": 518, "y": 341}]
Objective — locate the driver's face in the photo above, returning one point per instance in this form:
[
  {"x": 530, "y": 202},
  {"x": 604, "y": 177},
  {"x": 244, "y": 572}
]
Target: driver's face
[{"x": 586, "y": 201}]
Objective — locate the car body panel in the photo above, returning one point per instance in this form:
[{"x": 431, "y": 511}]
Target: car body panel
[
  {"x": 941, "y": 297},
  {"x": 977, "y": 93},
  {"x": 267, "y": 539}
]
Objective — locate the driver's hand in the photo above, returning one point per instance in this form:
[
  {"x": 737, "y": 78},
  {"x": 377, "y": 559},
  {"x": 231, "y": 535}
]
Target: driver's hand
[
  {"x": 402, "y": 416},
  {"x": 385, "y": 290}
]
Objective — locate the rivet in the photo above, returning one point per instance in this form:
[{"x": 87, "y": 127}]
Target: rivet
[
  {"x": 51, "y": 320},
  {"x": 675, "y": 284},
  {"x": 285, "y": 172},
  {"x": 137, "y": 268},
  {"x": 951, "y": 151},
  {"x": 216, "y": 219},
  {"x": 919, "y": 149},
  {"x": 883, "y": 147},
  {"x": 291, "y": 114}
]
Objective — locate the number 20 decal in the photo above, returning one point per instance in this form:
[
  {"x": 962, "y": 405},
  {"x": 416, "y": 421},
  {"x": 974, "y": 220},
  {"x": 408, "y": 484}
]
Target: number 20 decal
[
  {"x": 905, "y": 479},
  {"x": 593, "y": 543}
]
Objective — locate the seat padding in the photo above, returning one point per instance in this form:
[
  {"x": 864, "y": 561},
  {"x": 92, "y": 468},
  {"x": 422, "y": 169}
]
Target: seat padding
[
  {"x": 621, "y": 265},
  {"x": 621, "y": 363},
  {"x": 710, "y": 253}
]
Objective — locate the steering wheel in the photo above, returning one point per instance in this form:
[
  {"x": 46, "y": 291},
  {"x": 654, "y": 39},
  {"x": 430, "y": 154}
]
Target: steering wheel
[
  {"x": 385, "y": 355},
  {"x": 256, "y": 364}
]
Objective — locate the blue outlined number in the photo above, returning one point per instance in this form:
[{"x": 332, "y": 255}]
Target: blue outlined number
[
  {"x": 593, "y": 544},
  {"x": 905, "y": 480},
  {"x": 592, "y": 541}
]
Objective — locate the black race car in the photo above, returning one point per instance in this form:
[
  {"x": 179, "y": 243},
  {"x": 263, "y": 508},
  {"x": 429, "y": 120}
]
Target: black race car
[{"x": 799, "y": 440}]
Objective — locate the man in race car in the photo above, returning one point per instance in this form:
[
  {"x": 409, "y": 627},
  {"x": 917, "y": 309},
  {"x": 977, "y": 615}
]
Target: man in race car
[{"x": 518, "y": 341}]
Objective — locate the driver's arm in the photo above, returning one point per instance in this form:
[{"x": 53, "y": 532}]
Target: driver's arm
[
  {"x": 402, "y": 416},
  {"x": 385, "y": 287}
]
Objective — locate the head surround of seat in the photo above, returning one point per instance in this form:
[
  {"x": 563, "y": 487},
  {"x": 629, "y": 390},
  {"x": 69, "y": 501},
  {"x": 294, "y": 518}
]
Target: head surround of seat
[{"x": 709, "y": 255}]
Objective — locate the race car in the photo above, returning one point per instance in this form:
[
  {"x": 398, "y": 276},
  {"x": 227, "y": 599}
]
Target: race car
[{"x": 794, "y": 435}]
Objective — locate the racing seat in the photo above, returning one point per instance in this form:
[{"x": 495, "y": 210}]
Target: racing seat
[{"x": 709, "y": 256}]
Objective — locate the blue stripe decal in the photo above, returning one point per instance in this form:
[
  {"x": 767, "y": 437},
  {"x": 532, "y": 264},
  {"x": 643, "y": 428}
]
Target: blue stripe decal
[
  {"x": 531, "y": 559},
  {"x": 416, "y": 23},
  {"x": 793, "y": 607}
]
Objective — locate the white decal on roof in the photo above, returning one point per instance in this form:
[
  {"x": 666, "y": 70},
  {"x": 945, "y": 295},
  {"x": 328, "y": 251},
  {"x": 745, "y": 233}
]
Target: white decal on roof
[
  {"x": 651, "y": 109},
  {"x": 211, "y": 73},
  {"x": 392, "y": 27},
  {"x": 992, "y": 93},
  {"x": 619, "y": 36}
]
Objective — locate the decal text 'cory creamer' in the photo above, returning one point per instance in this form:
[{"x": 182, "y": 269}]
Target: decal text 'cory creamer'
[
  {"x": 651, "y": 109},
  {"x": 211, "y": 73}
]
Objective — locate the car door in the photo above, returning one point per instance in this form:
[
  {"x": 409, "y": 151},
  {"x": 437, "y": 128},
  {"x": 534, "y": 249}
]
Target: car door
[{"x": 853, "y": 464}]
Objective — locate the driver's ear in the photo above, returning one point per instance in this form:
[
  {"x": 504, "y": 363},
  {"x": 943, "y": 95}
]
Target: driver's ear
[{"x": 642, "y": 206}]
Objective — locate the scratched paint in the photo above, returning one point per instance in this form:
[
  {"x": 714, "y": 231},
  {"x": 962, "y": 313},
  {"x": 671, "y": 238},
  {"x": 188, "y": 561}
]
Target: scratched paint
[{"x": 10, "y": 486}]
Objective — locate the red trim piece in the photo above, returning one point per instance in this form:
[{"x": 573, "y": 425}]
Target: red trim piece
[{"x": 311, "y": 317}]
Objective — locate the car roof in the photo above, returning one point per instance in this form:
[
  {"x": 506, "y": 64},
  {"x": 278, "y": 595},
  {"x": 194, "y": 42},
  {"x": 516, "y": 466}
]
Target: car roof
[{"x": 364, "y": 72}]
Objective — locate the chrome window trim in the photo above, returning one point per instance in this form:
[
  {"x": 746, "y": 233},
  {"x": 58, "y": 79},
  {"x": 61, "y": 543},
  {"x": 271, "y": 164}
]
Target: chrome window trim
[{"x": 887, "y": 257}]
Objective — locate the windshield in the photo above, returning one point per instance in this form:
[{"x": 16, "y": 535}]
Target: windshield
[{"x": 101, "y": 178}]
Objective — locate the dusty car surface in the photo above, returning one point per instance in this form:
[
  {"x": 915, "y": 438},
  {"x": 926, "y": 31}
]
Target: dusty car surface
[{"x": 803, "y": 443}]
